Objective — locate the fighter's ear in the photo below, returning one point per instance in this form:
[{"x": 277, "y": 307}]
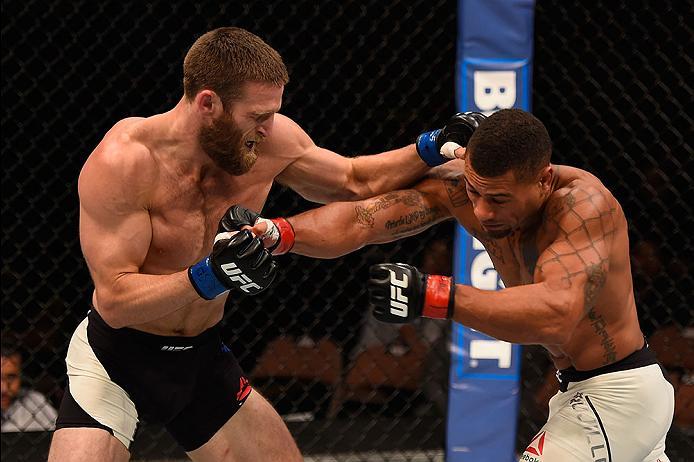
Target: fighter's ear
[
  {"x": 208, "y": 103},
  {"x": 545, "y": 178}
]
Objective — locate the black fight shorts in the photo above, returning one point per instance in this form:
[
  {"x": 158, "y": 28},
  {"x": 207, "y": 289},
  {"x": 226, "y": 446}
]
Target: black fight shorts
[{"x": 191, "y": 385}]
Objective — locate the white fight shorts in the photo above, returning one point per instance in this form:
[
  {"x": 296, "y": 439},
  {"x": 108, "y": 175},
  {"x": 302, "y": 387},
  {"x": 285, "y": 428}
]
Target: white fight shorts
[{"x": 620, "y": 416}]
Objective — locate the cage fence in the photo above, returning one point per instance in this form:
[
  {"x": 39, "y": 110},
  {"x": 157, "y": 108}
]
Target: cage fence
[{"x": 610, "y": 82}]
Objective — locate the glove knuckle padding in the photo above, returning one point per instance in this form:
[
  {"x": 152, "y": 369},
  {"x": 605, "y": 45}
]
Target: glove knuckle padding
[
  {"x": 236, "y": 217},
  {"x": 261, "y": 260},
  {"x": 478, "y": 117},
  {"x": 378, "y": 272},
  {"x": 460, "y": 127},
  {"x": 237, "y": 262},
  {"x": 252, "y": 249},
  {"x": 380, "y": 289},
  {"x": 395, "y": 292},
  {"x": 458, "y": 130},
  {"x": 249, "y": 256}
]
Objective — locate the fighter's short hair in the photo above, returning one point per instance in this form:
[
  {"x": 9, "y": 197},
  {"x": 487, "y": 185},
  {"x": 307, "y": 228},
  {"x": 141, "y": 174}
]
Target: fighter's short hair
[
  {"x": 510, "y": 139},
  {"x": 223, "y": 59}
]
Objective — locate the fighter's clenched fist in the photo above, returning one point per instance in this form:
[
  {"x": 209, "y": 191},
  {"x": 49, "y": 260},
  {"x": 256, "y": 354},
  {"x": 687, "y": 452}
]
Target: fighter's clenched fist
[
  {"x": 238, "y": 261},
  {"x": 400, "y": 293}
]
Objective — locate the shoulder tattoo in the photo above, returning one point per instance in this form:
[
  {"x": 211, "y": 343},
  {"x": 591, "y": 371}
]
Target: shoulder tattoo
[{"x": 584, "y": 223}]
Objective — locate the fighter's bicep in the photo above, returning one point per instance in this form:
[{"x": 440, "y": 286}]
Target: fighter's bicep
[
  {"x": 115, "y": 231},
  {"x": 316, "y": 173},
  {"x": 319, "y": 175},
  {"x": 114, "y": 246}
]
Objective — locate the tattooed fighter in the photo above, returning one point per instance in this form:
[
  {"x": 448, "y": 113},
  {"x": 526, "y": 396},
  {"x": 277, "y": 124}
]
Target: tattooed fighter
[{"x": 558, "y": 238}]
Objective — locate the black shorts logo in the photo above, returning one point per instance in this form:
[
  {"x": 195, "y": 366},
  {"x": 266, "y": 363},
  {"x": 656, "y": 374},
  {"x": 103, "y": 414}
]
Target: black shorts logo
[{"x": 244, "y": 390}]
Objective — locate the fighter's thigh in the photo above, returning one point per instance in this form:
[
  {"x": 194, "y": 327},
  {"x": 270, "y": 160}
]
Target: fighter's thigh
[
  {"x": 86, "y": 444},
  {"x": 256, "y": 432},
  {"x": 567, "y": 436},
  {"x": 551, "y": 445}
]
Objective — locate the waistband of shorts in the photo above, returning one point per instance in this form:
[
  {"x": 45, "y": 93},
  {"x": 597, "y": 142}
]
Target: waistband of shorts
[
  {"x": 639, "y": 358},
  {"x": 160, "y": 342}
]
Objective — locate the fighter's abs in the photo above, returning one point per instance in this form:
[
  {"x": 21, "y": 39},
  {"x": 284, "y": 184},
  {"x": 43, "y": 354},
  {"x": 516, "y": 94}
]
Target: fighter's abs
[{"x": 188, "y": 321}]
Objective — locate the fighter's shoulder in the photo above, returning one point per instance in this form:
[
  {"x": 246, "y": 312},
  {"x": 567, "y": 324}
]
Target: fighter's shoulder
[
  {"x": 448, "y": 182},
  {"x": 287, "y": 138},
  {"x": 121, "y": 160},
  {"x": 122, "y": 151},
  {"x": 580, "y": 195}
]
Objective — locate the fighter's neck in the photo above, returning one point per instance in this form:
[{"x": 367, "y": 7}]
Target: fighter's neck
[
  {"x": 533, "y": 221},
  {"x": 179, "y": 124},
  {"x": 176, "y": 134}
]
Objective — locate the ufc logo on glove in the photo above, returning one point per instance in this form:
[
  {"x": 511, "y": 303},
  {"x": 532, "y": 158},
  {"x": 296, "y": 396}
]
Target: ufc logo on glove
[
  {"x": 400, "y": 293},
  {"x": 398, "y": 300},
  {"x": 236, "y": 275}
]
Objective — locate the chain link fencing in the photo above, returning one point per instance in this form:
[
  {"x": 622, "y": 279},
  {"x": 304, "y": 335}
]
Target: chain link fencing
[{"x": 610, "y": 82}]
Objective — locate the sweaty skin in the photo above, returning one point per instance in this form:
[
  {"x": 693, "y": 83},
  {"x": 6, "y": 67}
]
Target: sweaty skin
[
  {"x": 565, "y": 264},
  {"x": 151, "y": 200}
]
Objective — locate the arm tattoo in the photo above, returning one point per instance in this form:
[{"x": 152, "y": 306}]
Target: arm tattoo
[
  {"x": 584, "y": 224},
  {"x": 365, "y": 215},
  {"x": 596, "y": 279},
  {"x": 413, "y": 221}
]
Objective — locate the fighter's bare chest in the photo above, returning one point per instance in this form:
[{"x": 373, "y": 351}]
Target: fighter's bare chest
[
  {"x": 514, "y": 257},
  {"x": 185, "y": 219}
]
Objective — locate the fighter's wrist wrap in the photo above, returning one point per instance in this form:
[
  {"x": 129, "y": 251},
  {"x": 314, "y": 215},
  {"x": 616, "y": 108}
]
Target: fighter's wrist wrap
[
  {"x": 204, "y": 281},
  {"x": 286, "y": 240},
  {"x": 439, "y": 298},
  {"x": 428, "y": 150}
]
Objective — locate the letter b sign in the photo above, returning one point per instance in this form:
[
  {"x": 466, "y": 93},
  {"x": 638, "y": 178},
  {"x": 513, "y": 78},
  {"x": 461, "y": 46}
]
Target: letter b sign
[{"x": 494, "y": 90}]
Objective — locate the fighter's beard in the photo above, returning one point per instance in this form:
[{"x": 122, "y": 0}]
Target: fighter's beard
[{"x": 228, "y": 147}]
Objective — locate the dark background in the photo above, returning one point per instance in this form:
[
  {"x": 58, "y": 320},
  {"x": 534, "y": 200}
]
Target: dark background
[{"x": 611, "y": 82}]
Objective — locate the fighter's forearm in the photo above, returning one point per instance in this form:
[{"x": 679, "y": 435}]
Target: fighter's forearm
[
  {"x": 134, "y": 298},
  {"x": 530, "y": 314},
  {"x": 342, "y": 227},
  {"x": 332, "y": 231},
  {"x": 380, "y": 173}
]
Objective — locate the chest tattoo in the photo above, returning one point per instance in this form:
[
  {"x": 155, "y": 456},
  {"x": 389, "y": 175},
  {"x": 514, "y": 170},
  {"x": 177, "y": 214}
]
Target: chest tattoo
[{"x": 492, "y": 247}]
